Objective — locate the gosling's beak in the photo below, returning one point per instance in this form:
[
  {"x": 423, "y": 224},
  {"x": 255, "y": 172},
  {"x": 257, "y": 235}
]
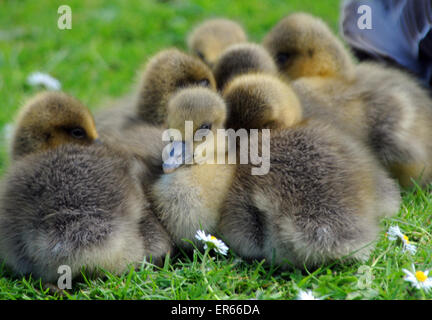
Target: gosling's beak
[
  {"x": 97, "y": 141},
  {"x": 175, "y": 155}
]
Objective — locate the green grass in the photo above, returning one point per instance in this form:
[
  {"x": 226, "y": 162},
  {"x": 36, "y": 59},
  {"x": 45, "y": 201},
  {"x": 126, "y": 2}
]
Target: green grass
[{"x": 98, "y": 59}]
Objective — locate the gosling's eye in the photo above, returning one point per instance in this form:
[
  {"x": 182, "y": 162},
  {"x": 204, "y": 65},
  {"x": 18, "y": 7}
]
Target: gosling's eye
[
  {"x": 206, "y": 126},
  {"x": 283, "y": 57},
  {"x": 200, "y": 55},
  {"x": 203, "y": 82},
  {"x": 203, "y": 130},
  {"x": 77, "y": 133}
]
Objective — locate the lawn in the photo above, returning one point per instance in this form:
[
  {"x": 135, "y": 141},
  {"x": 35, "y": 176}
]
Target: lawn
[{"x": 99, "y": 59}]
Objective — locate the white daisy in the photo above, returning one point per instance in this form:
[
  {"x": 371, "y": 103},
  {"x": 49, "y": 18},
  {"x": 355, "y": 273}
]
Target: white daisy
[
  {"x": 39, "y": 78},
  {"x": 212, "y": 242},
  {"x": 418, "y": 279},
  {"x": 412, "y": 249},
  {"x": 7, "y": 132},
  {"x": 306, "y": 295},
  {"x": 395, "y": 232}
]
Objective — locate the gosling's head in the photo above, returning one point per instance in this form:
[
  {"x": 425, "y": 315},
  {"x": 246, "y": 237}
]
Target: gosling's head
[
  {"x": 260, "y": 101},
  {"x": 209, "y": 39},
  {"x": 196, "y": 113},
  {"x": 51, "y": 119},
  {"x": 303, "y": 46},
  {"x": 165, "y": 73},
  {"x": 241, "y": 59}
]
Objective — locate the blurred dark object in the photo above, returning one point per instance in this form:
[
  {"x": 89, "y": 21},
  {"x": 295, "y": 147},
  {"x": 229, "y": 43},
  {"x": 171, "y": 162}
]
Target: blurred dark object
[{"x": 400, "y": 33}]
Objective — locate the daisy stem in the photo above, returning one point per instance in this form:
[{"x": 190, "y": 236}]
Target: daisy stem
[
  {"x": 423, "y": 293},
  {"x": 203, "y": 263}
]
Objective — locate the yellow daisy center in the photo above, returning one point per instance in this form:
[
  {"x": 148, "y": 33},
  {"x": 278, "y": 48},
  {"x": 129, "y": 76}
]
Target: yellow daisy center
[
  {"x": 213, "y": 238},
  {"x": 420, "y": 275},
  {"x": 405, "y": 238}
]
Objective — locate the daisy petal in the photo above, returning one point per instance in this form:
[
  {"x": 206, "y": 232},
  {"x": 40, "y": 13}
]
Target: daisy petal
[
  {"x": 39, "y": 78},
  {"x": 306, "y": 295}
]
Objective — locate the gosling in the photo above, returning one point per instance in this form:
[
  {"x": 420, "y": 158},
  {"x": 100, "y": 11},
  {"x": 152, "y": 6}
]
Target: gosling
[
  {"x": 384, "y": 108},
  {"x": 242, "y": 59},
  {"x": 209, "y": 39}
]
